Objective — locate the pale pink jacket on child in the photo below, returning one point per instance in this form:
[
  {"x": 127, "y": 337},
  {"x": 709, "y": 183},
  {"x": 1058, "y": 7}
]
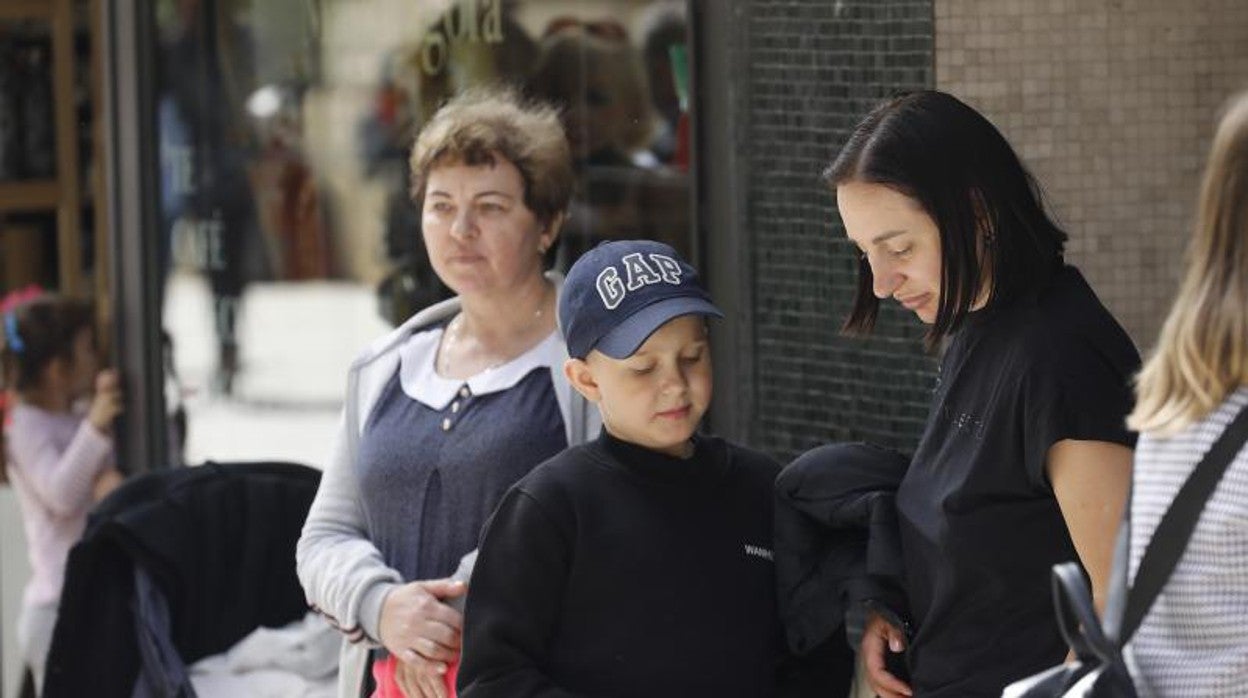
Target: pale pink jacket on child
[{"x": 53, "y": 462}]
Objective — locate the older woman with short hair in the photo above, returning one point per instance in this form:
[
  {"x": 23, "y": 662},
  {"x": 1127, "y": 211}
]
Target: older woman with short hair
[{"x": 447, "y": 411}]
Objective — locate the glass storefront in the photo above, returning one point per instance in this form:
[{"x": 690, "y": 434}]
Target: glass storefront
[{"x": 286, "y": 236}]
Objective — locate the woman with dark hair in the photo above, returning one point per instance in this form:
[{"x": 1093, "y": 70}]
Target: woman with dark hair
[{"x": 1025, "y": 458}]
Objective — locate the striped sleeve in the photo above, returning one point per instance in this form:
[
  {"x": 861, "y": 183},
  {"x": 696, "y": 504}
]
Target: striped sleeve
[{"x": 1194, "y": 641}]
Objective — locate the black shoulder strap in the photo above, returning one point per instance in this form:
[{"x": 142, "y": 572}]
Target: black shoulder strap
[{"x": 1170, "y": 538}]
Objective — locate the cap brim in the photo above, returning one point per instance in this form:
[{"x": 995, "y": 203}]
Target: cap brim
[{"x": 622, "y": 341}]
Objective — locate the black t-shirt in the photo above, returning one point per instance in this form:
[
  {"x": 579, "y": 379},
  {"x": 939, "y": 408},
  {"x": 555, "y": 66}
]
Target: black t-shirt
[
  {"x": 980, "y": 525},
  {"x": 613, "y": 570}
]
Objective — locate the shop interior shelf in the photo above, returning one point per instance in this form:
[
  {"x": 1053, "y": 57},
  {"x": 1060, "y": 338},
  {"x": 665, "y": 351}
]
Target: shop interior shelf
[
  {"x": 25, "y": 9},
  {"x": 29, "y": 195}
]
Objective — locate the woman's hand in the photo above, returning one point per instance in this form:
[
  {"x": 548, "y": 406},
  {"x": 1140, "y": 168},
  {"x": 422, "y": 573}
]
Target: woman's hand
[
  {"x": 878, "y": 637},
  {"x": 416, "y": 625},
  {"x": 106, "y": 403},
  {"x": 420, "y": 681}
]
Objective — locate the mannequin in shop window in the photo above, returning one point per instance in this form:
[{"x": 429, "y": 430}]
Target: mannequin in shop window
[
  {"x": 664, "y": 32},
  {"x": 593, "y": 72}
]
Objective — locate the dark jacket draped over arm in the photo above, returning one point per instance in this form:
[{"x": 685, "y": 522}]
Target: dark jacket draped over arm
[{"x": 837, "y": 540}]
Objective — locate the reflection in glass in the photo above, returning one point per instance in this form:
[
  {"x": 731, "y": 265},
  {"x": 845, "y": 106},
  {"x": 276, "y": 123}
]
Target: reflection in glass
[{"x": 288, "y": 236}]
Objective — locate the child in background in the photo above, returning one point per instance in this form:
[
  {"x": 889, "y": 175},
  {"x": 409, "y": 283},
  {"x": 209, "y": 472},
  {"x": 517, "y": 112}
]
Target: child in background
[
  {"x": 59, "y": 453},
  {"x": 639, "y": 564}
]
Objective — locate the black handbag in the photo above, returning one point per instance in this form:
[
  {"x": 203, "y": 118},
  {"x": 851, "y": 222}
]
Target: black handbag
[{"x": 1099, "y": 670}]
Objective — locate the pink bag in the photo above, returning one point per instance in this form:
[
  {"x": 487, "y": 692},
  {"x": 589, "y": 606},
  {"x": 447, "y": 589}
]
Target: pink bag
[{"x": 388, "y": 687}]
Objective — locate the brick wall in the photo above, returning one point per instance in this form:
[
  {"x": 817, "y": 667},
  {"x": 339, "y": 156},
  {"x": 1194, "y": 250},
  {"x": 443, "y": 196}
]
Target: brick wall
[
  {"x": 815, "y": 68},
  {"x": 1112, "y": 104}
]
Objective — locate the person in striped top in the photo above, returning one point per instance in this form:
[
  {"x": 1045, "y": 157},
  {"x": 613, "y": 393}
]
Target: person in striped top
[{"x": 1194, "y": 640}]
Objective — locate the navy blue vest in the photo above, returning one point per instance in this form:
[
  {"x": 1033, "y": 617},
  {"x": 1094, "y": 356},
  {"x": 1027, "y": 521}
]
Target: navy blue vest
[{"x": 429, "y": 479}]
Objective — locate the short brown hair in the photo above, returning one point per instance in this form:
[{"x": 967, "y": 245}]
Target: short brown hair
[
  {"x": 578, "y": 68},
  {"x": 482, "y": 124}
]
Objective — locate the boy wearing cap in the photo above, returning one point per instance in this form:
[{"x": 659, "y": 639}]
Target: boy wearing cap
[{"x": 639, "y": 564}]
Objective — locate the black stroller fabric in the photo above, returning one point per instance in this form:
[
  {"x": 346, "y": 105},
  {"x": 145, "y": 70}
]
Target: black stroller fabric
[{"x": 216, "y": 541}]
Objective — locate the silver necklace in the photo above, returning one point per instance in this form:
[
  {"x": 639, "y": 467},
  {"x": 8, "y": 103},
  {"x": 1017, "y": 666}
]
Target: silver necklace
[{"x": 451, "y": 337}]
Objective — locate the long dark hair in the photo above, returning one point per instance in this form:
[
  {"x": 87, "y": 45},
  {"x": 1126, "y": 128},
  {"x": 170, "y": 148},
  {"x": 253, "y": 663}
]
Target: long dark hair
[{"x": 946, "y": 156}]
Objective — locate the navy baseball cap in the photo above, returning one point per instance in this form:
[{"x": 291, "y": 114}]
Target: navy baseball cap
[{"x": 617, "y": 294}]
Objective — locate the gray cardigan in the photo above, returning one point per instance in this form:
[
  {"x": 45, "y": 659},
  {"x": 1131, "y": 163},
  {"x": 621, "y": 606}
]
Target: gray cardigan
[{"x": 342, "y": 572}]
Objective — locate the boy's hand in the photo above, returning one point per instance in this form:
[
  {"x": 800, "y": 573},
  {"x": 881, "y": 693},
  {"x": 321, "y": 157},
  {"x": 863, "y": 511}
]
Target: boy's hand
[
  {"x": 879, "y": 637},
  {"x": 106, "y": 403},
  {"x": 416, "y": 624}
]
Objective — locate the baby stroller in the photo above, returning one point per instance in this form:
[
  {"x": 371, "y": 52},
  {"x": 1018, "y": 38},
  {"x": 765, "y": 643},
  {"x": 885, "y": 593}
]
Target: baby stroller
[{"x": 177, "y": 565}]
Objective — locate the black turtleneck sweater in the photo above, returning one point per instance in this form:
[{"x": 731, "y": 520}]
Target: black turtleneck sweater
[{"x": 613, "y": 570}]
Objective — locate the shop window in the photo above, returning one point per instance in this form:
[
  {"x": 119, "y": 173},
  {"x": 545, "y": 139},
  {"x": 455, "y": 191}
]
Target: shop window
[{"x": 287, "y": 237}]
